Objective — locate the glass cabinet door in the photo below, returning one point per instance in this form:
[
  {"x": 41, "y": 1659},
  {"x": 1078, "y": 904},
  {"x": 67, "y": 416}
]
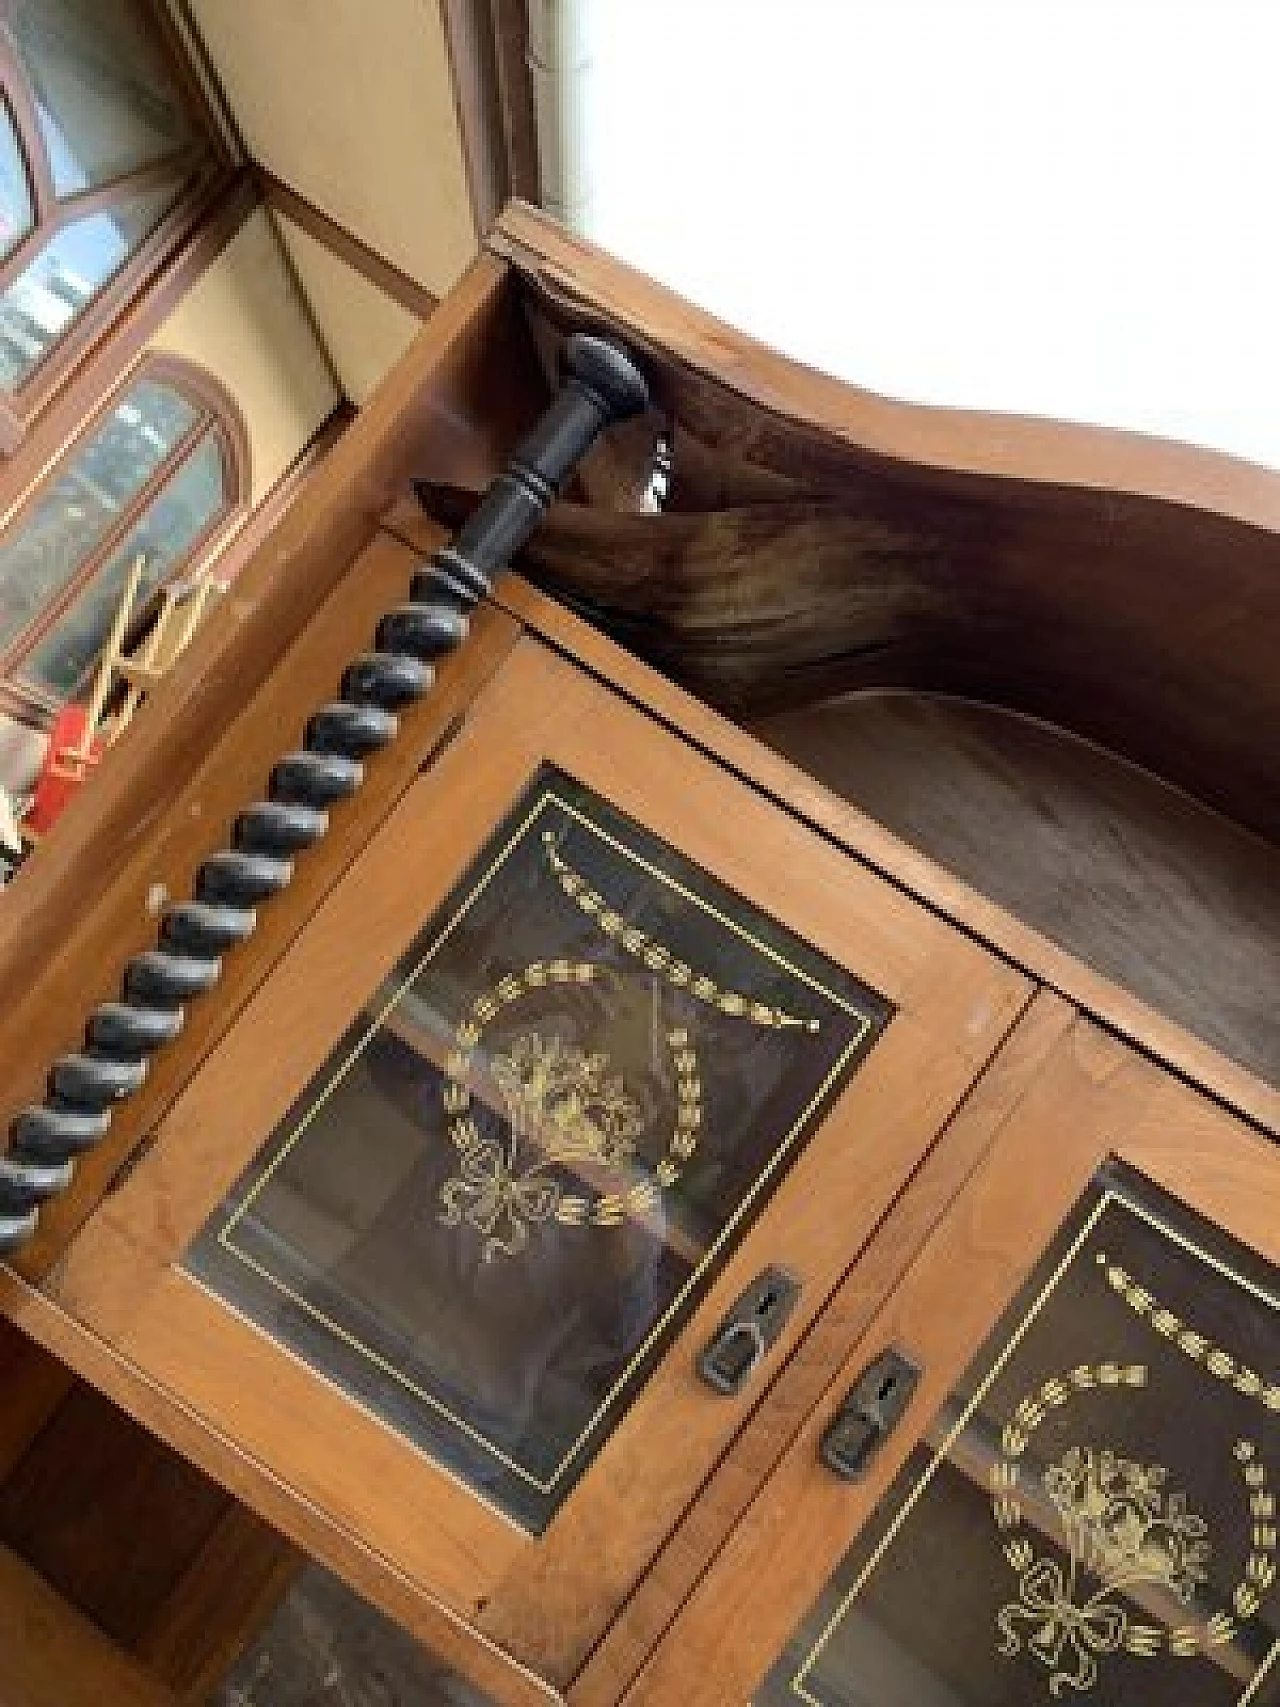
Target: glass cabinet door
[
  {"x": 587, "y": 1042},
  {"x": 1088, "y": 1510},
  {"x": 491, "y": 1207}
]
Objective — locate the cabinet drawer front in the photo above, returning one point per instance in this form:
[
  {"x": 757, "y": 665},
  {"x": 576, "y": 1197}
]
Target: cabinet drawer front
[
  {"x": 588, "y": 1039},
  {"x": 1082, "y": 1502}
]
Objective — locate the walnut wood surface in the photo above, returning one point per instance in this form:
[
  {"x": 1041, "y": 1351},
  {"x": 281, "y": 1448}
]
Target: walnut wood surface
[
  {"x": 573, "y": 277},
  {"x": 33, "y": 1385},
  {"x": 1092, "y": 1099},
  {"x": 53, "y": 1657},
  {"x": 421, "y": 411},
  {"x": 110, "y": 1516},
  {"x": 197, "y": 1632},
  {"x": 459, "y": 396},
  {"x": 1138, "y": 880},
  {"x": 1153, "y": 639},
  {"x": 755, "y": 1453},
  {"x": 817, "y": 540},
  {"x": 317, "y": 1534},
  {"x": 80, "y": 1484}
]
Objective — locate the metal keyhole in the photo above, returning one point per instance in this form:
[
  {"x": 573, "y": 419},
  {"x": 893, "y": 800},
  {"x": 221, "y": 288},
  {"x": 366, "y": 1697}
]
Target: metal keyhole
[
  {"x": 742, "y": 1339},
  {"x": 871, "y": 1411}
]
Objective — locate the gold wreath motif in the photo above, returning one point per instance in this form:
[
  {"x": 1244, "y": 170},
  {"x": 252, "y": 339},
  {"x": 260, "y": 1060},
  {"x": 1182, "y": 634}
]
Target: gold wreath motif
[
  {"x": 589, "y": 1117},
  {"x": 1123, "y": 1526},
  {"x": 658, "y": 958}
]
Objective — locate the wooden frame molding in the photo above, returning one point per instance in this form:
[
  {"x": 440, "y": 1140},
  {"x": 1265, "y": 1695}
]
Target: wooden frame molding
[
  {"x": 488, "y": 42},
  {"x": 1127, "y": 504},
  {"x": 879, "y": 848},
  {"x": 282, "y": 199},
  {"x": 473, "y": 65},
  {"x": 428, "y": 1620},
  {"x": 755, "y": 1453},
  {"x": 175, "y": 21},
  {"x": 509, "y": 22},
  {"x": 1092, "y": 1102},
  {"x": 54, "y": 1653},
  {"x": 228, "y": 691},
  {"x": 953, "y": 1006}
]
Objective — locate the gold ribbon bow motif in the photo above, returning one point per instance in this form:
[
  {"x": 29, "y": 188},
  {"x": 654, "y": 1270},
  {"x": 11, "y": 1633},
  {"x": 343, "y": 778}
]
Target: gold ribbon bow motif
[
  {"x": 502, "y": 1202},
  {"x": 1061, "y": 1628}
]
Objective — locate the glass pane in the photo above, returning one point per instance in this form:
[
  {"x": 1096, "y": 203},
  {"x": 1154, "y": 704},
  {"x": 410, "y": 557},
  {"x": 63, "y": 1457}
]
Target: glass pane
[
  {"x": 106, "y": 100},
  {"x": 325, "y": 1647},
  {"x": 74, "y": 265},
  {"x": 167, "y": 529},
  {"x": 517, "y": 1173},
  {"x": 16, "y": 213},
  {"x": 44, "y": 549},
  {"x": 1094, "y": 1517}
]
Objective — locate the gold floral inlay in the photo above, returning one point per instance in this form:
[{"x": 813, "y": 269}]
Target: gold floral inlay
[
  {"x": 1101, "y": 1542},
  {"x": 1200, "y": 1348},
  {"x": 1118, "y": 1530},
  {"x": 558, "y": 1092},
  {"x": 1122, "y": 1528},
  {"x": 488, "y": 1184},
  {"x": 658, "y": 957},
  {"x": 565, "y": 1107}
]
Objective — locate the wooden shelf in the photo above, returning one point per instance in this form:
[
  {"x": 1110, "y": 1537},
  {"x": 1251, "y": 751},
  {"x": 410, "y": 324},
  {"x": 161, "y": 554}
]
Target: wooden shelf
[{"x": 54, "y": 1657}]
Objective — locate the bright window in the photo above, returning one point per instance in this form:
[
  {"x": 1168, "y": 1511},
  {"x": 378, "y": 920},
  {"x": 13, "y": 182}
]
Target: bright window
[
  {"x": 160, "y": 473},
  {"x": 1052, "y": 207}
]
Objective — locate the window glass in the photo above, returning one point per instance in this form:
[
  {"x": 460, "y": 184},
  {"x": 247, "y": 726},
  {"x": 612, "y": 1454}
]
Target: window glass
[
  {"x": 44, "y": 300},
  {"x": 521, "y": 1169},
  {"x": 171, "y": 524},
  {"x": 1091, "y": 1516},
  {"x": 47, "y": 548},
  {"x": 100, "y": 139},
  {"x": 105, "y": 99}
]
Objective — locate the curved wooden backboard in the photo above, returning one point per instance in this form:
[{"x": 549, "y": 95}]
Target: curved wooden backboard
[{"x": 819, "y": 539}]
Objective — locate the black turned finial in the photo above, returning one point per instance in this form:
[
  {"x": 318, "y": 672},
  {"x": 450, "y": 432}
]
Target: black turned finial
[
  {"x": 601, "y": 385},
  {"x": 608, "y": 372}
]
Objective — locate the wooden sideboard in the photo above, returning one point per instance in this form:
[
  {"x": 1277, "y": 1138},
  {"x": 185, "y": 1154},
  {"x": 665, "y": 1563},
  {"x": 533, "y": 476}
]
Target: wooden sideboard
[{"x": 743, "y": 1166}]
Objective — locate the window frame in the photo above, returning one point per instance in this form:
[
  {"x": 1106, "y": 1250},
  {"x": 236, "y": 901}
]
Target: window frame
[
  {"x": 200, "y": 175},
  {"x": 217, "y": 413}
]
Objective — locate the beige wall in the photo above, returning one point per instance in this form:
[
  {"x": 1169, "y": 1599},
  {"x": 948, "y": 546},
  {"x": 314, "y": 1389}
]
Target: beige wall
[
  {"x": 364, "y": 330},
  {"x": 351, "y": 103},
  {"x": 245, "y": 322}
]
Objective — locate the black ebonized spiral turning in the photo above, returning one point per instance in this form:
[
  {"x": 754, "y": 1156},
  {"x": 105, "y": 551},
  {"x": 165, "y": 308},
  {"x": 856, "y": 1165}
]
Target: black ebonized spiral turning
[{"x": 601, "y": 385}]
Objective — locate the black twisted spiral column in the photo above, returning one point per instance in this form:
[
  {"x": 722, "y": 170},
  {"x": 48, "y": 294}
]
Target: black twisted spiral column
[{"x": 601, "y": 385}]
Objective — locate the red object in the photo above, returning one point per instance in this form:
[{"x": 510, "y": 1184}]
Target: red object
[{"x": 63, "y": 770}]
